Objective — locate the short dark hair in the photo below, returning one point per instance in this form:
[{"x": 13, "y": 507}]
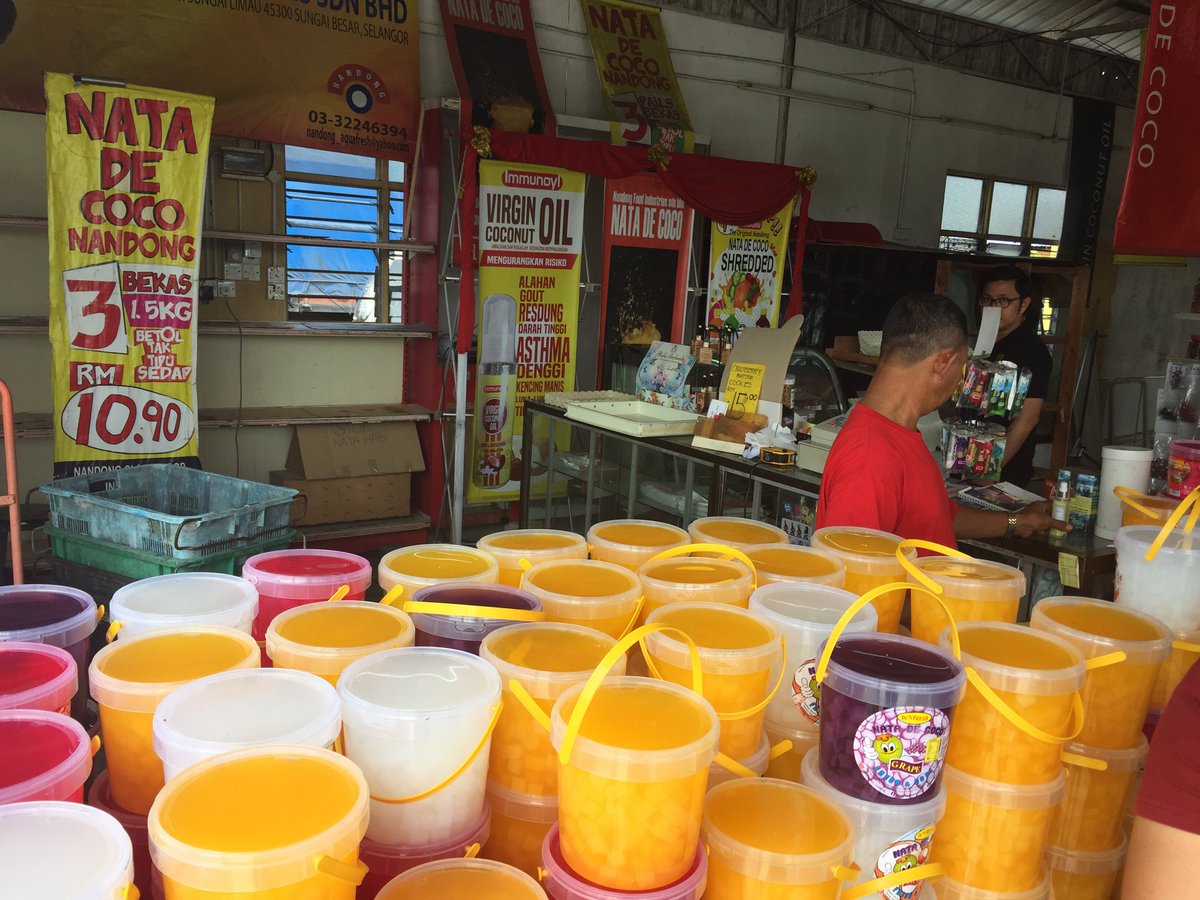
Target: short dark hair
[
  {"x": 920, "y": 325},
  {"x": 1022, "y": 282}
]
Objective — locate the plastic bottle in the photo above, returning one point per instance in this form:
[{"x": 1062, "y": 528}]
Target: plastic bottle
[
  {"x": 495, "y": 392},
  {"x": 1060, "y": 509}
]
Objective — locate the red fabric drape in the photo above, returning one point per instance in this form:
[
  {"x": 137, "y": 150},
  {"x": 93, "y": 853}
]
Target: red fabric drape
[{"x": 730, "y": 191}]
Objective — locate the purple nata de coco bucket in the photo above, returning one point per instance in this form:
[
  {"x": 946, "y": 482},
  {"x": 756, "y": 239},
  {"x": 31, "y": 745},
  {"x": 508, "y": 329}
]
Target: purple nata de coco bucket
[{"x": 886, "y": 706}]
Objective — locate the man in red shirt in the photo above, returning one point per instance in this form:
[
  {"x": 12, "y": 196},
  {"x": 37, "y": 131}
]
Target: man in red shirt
[{"x": 880, "y": 474}]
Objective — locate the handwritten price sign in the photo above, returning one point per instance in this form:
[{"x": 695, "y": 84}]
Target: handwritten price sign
[{"x": 128, "y": 420}]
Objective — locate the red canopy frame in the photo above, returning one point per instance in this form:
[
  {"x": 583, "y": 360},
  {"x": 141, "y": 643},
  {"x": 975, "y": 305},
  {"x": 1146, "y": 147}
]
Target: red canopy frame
[{"x": 729, "y": 191}]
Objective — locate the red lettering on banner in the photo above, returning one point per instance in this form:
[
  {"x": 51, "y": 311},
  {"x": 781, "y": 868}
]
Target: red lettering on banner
[
  {"x": 120, "y": 121},
  {"x": 85, "y": 374}
]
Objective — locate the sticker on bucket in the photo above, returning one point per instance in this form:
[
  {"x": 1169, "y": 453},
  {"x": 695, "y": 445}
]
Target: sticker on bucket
[
  {"x": 900, "y": 750},
  {"x": 907, "y": 852},
  {"x": 806, "y": 693}
]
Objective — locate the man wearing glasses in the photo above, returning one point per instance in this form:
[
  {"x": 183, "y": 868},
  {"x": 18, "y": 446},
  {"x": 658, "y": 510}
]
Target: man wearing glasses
[{"x": 1011, "y": 290}]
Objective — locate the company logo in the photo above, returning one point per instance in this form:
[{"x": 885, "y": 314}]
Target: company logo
[
  {"x": 542, "y": 181},
  {"x": 359, "y": 86}
]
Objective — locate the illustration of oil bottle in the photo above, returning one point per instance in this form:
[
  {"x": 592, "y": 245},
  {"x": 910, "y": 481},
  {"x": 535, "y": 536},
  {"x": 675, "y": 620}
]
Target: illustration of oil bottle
[{"x": 495, "y": 392}]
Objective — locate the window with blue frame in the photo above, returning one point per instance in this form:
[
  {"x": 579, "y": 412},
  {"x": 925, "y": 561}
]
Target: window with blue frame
[{"x": 347, "y": 200}]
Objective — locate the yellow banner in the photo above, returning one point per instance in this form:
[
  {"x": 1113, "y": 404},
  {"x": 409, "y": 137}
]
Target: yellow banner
[
  {"x": 338, "y": 75},
  {"x": 745, "y": 274},
  {"x": 641, "y": 92},
  {"x": 125, "y": 170},
  {"x": 530, "y": 245}
]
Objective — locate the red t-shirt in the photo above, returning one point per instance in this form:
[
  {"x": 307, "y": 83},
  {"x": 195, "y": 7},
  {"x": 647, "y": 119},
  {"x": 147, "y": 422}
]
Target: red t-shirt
[
  {"x": 881, "y": 475},
  {"x": 1170, "y": 791}
]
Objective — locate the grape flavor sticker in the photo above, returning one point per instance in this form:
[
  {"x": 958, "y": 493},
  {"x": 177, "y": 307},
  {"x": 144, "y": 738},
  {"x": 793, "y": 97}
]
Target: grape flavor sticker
[
  {"x": 900, "y": 750},
  {"x": 125, "y": 171}
]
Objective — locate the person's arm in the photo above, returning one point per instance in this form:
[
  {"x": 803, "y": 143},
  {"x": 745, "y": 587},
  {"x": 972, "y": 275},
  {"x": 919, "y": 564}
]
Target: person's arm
[
  {"x": 1022, "y": 426},
  {"x": 984, "y": 523},
  {"x": 1157, "y": 864}
]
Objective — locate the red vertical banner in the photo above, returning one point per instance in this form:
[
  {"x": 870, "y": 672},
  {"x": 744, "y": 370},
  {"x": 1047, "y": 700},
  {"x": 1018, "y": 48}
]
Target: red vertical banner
[
  {"x": 1160, "y": 206},
  {"x": 647, "y": 250}
]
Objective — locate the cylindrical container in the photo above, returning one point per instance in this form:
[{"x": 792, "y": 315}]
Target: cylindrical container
[
  {"x": 412, "y": 718},
  {"x": 463, "y": 879},
  {"x": 887, "y": 838},
  {"x": 54, "y": 851},
  {"x": 756, "y": 762},
  {"x": 870, "y": 560},
  {"x": 520, "y": 823},
  {"x": 1127, "y": 467},
  {"x": 100, "y": 797},
  {"x": 1116, "y": 697},
  {"x": 563, "y": 884},
  {"x": 289, "y": 578},
  {"x": 269, "y": 823},
  {"x": 37, "y": 676},
  {"x": 241, "y": 709},
  {"x": 132, "y": 676},
  {"x": 787, "y": 765},
  {"x": 1085, "y": 876},
  {"x": 739, "y": 651},
  {"x": 632, "y": 542},
  {"x": 517, "y": 550},
  {"x": 58, "y": 616},
  {"x": 1168, "y": 587},
  {"x": 1092, "y": 815},
  {"x": 1154, "y": 509},
  {"x": 1183, "y": 467},
  {"x": 632, "y": 789},
  {"x": 545, "y": 658},
  {"x": 43, "y": 756},
  {"x": 952, "y": 890},
  {"x": 421, "y": 566},
  {"x": 735, "y": 531},
  {"x": 1185, "y": 651},
  {"x": 886, "y": 706},
  {"x": 749, "y": 855},
  {"x": 1011, "y": 821},
  {"x": 680, "y": 579},
  {"x": 805, "y": 615},
  {"x": 973, "y": 591},
  {"x": 385, "y": 861},
  {"x": 1035, "y": 674},
  {"x": 324, "y": 638},
  {"x": 187, "y": 598},
  {"x": 776, "y": 563},
  {"x": 599, "y": 595},
  {"x": 465, "y": 630}
]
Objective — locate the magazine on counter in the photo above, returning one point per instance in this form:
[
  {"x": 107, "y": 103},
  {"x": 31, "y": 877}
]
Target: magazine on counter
[{"x": 1002, "y": 497}]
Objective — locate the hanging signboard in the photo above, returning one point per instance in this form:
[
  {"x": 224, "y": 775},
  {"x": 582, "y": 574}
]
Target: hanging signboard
[
  {"x": 640, "y": 89},
  {"x": 340, "y": 75},
  {"x": 745, "y": 276},
  {"x": 125, "y": 170},
  {"x": 530, "y": 245}
]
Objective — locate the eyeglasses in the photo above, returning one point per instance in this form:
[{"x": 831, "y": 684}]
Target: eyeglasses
[{"x": 1002, "y": 302}]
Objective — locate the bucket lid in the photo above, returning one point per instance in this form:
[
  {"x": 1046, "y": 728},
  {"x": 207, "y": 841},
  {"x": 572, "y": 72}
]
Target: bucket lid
[
  {"x": 729, "y": 640},
  {"x": 1132, "y": 454},
  {"x": 458, "y": 627},
  {"x": 864, "y": 814},
  {"x": 1138, "y": 538},
  {"x": 244, "y": 708},
  {"x": 1078, "y": 862},
  {"x": 693, "y": 573},
  {"x": 808, "y": 612},
  {"x": 323, "y": 638},
  {"x": 819, "y": 838},
  {"x": 1017, "y": 659},
  {"x": 535, "y": 808},
  {"x": 532, "y": 544},
  {"x": 231, "y": 823},
  {"x": 618, "y": 533},
  {"x": 735, "y": 531},
  {"x": 1118, "y": 761},
  {"x": 1004, "y": 796},
  {"x": 564, "y": 884},
  {"x": 46, "y": 614},
  {"x": 868, "y": 549},
  {"x": 582, "y": 583},
  {"x": 976, "y": 578},
  {"x": 49, "y": 851},
  {"x": 307, "y": 574},
  {"x": 779, "y": 560},
  {"x": 186, "y": 598},
  {"x": 392, "y": 859},
  {"x": 455, "y": 879},
  {"x": 1097, "y": 627},
  {"x": 418, "y": 683},
  {"x": 426, "y": 564},
  {"x": 953, "y": 890},
  {"x": 137, "y": 672},
  {"x": 892, "y": 670},
  {"x": 1188, "y": 449},
  {"x": 547, "y": 657},
  {"x": 36, "y": 676},
  {"x": 43, "y": 756}
]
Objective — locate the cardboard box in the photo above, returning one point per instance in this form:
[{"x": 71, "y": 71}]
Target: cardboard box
[{"x": 350, "y": 473}]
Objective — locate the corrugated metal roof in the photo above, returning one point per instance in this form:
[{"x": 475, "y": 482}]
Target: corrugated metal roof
[{"x": 1110, "y": 26}]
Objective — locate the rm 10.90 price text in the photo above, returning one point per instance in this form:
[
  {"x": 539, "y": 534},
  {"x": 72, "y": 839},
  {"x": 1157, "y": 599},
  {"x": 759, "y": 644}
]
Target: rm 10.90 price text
[{"x": 128, "y": 420}]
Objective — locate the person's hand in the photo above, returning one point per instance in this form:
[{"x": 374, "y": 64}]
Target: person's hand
[{"x": 1036, "y": 518}]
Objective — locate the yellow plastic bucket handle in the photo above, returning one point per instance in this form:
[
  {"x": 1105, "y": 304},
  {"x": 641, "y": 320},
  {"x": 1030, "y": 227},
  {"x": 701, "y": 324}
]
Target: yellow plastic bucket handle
[
  {"x": 469, "y": 610},
  {"x": 1103, "y": 662},
  {"x": 1020, "y": 721},
  {"x": 847, "y": 872},
  {"x": 784, "y": 746},
  {"x": 637, "y": 611},
  {"x": 745, "y": 713},
  {"x": 1186, "y": 646},
  {"x": 114, "y": 627},
  {"x": 848, "y": 615},
  {"x": 725, "y": 551},
  {"x": 340, "y": 593},
  {"x": 914, "y": 571},
  {"x": 99, "y": 613},
  {"x": 131, "y": 892},
  {"x": 462, "y": 767},
  {"x": 729, "y": 764},
  {"x": 95, "y": 746},
  {"x": 1126, "y": 495},
  {"x": 394, "y": 596},
  {"x": 342, "y": 871},
  {"x": 1085, "y": 762},
  {"x": 1188, "y": 502},
  {"x": 895, "y": 879},
  {"x": 472, "y": 851}
]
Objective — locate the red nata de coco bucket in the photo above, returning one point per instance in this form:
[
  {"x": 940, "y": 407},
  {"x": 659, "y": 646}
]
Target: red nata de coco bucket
[
  {"x": 43, "y": 756},
  {"x": 563, "y": 884},
  {"x": 37, "y": 676}
]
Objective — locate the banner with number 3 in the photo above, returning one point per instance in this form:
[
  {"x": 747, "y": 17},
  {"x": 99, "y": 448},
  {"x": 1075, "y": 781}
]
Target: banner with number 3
[{"x": 125, "y": 171}]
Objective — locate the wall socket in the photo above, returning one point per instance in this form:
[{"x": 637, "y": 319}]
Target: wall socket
[
  {"x": 226, "y": 289},
  {"x": 251, "y": 271},
  {"x": 276, "y": 275},
  {"x": 233, "y": 271},
  {"x": 275, "y": 292}
]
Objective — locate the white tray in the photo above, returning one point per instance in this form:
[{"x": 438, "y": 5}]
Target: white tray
[{"x": 634, "y": 417}]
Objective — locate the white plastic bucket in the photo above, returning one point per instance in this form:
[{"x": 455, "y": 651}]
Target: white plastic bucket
[
  {"x": 62, "y": 851},
  {"x": 187, "y": 598}
]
